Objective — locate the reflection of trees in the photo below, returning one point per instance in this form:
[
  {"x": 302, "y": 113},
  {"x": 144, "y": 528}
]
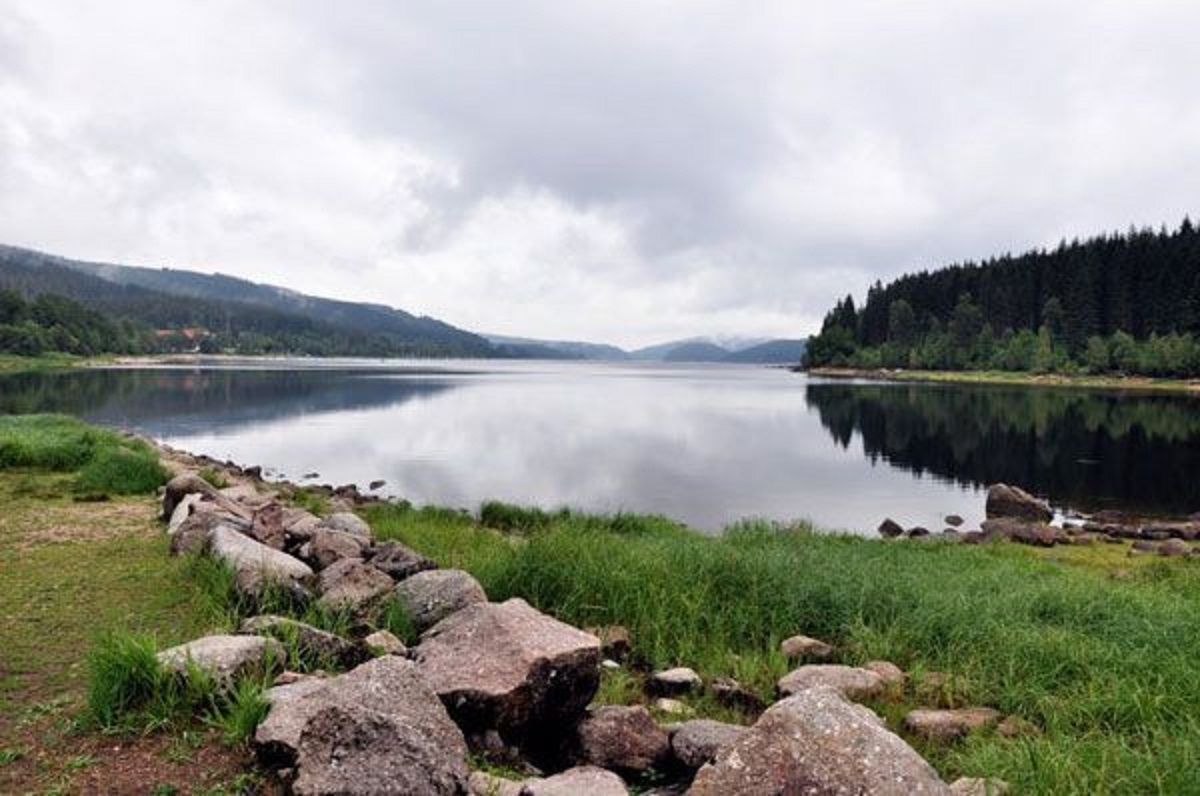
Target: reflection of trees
[
  {"x": 1081, "y": 448},
  {"x": 161, "y": 400}
]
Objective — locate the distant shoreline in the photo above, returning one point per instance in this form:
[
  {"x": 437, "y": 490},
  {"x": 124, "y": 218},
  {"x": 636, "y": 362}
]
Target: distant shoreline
[{"x": 1008, "y": 377}]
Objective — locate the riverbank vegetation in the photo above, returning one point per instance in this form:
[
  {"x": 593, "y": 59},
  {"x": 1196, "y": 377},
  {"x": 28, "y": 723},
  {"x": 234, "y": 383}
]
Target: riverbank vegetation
[
  {"x": 1092, "y": 648},
  {"x": 1118, "y": 304},
  {"x": 1096, "y": 653}
]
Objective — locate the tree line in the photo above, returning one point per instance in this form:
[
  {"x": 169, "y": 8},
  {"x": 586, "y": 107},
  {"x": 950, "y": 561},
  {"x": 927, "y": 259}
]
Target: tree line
[
  {"x": 50, "y": 323},
  {"x": 1120, "y": 303}
]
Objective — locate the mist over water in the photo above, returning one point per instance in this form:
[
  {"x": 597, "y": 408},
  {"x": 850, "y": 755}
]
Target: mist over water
[{"x": 708, "y": 445}]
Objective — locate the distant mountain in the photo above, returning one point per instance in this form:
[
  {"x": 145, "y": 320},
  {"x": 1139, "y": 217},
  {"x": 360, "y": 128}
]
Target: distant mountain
[
  {"x": 772, "y": 352},
  {"x": 238, "y": 313},
  {"x": 559, "y": 349},
  {"x": 696, "y": 352}
]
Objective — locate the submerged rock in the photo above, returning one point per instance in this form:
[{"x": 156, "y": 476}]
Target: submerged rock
[{"x": 817, "y": 742}]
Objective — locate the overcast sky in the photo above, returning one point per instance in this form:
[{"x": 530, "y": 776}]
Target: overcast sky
[{"x": 616, "y": 171}]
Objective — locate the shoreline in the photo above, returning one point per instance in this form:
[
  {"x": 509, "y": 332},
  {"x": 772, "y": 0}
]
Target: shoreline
[{"x": 1011, "y": 378}]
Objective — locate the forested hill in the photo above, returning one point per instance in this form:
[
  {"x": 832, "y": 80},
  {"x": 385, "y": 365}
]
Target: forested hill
[
  {"x": 1123, "y": 302},
  {"x": 222, "y": 313}
]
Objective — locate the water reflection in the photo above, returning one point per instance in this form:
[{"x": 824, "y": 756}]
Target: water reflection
[
  {"x": 1084, "y": 449},
  {"x": 708, "y": 444}
]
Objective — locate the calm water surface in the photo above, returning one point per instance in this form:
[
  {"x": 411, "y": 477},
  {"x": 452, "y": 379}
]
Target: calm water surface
[{"x": 705, "y": 444}]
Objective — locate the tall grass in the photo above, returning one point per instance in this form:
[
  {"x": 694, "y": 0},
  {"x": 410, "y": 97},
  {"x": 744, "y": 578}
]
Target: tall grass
[
  {"x": 106, "y": 463},
  {"x": 1105, "y": 667}
]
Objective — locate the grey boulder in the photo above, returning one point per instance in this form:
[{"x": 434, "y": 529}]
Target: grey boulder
[
  {"x": 1011, "y": 501},
  {"x": 327, "y": 546},
  {"x": 377, "y": 729},
  {"x": 817, "y": 742},
  {"x": 851, "y": 682},
  {"x": 431, "y": 596},
  {"x": 622, "y": 738},
  {"x": 348, "y": 522},
  {"x": 225, "y": 658},
  {"x": 398, "y": 561},
  {"x": 509, "y": 667},
  {"x": 315, "y": 645},
  {"x": 258, "y": 567},
  {"x": 698, "y": 741},
  {"x": 351, "y": 585},
  {"x": 580, "y": 781}
]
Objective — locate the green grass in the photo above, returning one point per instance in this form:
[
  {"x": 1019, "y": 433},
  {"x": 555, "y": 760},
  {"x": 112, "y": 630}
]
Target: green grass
[
  {"x": 214, "y": 477},
  {"x": 1105, "y": 666},
  {"x": 1013, "y": 377}
]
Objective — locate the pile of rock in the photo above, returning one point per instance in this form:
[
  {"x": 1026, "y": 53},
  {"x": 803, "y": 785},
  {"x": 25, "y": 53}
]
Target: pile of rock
[
  {"x": 503, "y": 680},
  {"x": 1016, "y": 516}
]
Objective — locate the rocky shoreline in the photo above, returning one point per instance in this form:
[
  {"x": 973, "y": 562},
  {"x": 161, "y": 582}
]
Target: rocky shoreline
[
  {"x": 508, "y": 684},
  {"x": 1014, "y": 515}
]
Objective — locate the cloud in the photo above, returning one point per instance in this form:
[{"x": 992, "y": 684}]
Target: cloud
[{"x": 615, "y": 171}]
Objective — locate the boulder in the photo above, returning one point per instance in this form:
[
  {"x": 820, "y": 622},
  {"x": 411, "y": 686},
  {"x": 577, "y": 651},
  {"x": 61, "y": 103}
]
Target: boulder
[
  {"x": 315, "y": 645},
  {"x": 849, "y": 681},
  {"x": 327, "y": 546},
  {"x": 1017, "y": 727},
  {"x": 798, "y": 647},
  {"x": 1174, "y": 547},
  {"x": 953, "y": 520},
  {"x": 1188, "y": 531},
  {"x": 581, "y": 781},
  {"x": 182, "y": 511},
  {"x": 376, "y": 729},
  {"x": 1022, "y": 531},
  {"x": 816, "y": 742},
  {"x": 698, "y": 741},
  {"x": 257, "y": 567},
  {"x": 890, "y": 673},
  {"x": 352, "y": 585},
  {"x": 266, "y": 525},
  {"x": 381, "y": 642},
  {"x": 226, "y": 658},
  {"x": 180, "y": 487},
  {"x": 622, "y": 738},
  {"x": 672, "y": 707},
  {"x": 890, "y": 529},
  {"x": 299, "y": 525},
  {"x": 672, "y": 682},
  {"x": 431, "y": 596},
  {"x": 398, "y": 561},
  {"x": 509, "y": 667},
  {"x": 946, "y": 725},
  {"x": 1010, "y": 501},
  {"x": 348, "y": 522},
  {"x": 917, "y": 531},
  {"x": 192, "y": 534}
]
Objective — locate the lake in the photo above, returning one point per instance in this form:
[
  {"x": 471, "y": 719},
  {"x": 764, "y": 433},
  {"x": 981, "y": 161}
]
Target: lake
[{"x": 706, "y": 444}]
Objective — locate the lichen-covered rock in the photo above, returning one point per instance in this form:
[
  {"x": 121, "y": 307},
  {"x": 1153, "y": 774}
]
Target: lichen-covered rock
[
  {"x": 509, "y": 667},
  {"x": 258, "y": 567},
  {"x": 817, "y": 742},
  {"x": 947, "y": 725},
  {"x": 377, "y": 729},
  {"x": 698, "y": 741},
  {"x": 851, "y": 682},
  {"x": 431, "y": 596},
  {"x": 352, "y": 585},
  {"x": 580, "y": 781},
  {"x": 1010, "y": 501},
  {"x": 226, "y": 658},
  {"x": 622, "y": 738},
  {"x": 398, "y": 561},
  {"x": 315, "y": 645}
]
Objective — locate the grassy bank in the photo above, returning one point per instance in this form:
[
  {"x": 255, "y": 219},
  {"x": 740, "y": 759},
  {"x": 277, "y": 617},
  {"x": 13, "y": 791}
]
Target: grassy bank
[
  {"x": 11, "y": 363},
  {"x": 1102, "y": 663},
  {"x": 74, "y": 569},
  {"x": 1011, "y": 377}
]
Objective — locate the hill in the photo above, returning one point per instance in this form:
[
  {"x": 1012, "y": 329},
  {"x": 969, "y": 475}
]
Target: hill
[
  {"x": 262, "y": 319},
  {"x": 696, "y": 351},
  {"x": 1127, "y": 303},
  {"x": 772, "y": 352}
]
